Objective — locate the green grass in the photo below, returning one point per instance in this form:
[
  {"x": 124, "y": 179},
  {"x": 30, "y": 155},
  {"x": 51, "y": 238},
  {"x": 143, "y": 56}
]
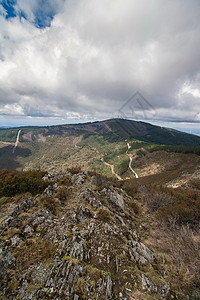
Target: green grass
[
  {"x": 176, "y": 149},
  {"x": 8, "y": 135}
]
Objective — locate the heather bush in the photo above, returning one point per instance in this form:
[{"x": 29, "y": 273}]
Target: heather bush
[
  {"x": 63, "y": 194},
  {"x": 50, "y": 203},
  {"x": 178, "y": 204},
  {"x": 16, "y": 182},
  {"x": 75, "y": 170},
  {"x": 104, "y": 215},
  {"x": 185, "y": 208},
  {"x": 134, "y": 206}
]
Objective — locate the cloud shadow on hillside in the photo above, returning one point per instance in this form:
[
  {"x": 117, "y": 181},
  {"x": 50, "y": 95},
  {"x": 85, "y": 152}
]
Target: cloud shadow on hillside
[{"x": 8, "y": 159}]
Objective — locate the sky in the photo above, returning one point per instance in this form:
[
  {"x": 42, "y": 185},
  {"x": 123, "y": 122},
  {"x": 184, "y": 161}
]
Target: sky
[{"x": 69, "y": 61}]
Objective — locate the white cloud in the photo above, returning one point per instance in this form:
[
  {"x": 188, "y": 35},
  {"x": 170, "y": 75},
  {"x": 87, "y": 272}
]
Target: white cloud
[
  {"x": 12, "y": 109},
  {"x": 96, "y": 54}
]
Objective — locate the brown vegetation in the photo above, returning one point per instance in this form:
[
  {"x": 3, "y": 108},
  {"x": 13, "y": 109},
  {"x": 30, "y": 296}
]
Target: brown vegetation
[
  {"x": 16, "y": 182},
  {"x": 63, "y": 194},
  {"x": 33, "y": 251},
  {"x": 104, "y": 215},
  {"x": 50, "y": 203},
  {"x": 75, "y": 170}
]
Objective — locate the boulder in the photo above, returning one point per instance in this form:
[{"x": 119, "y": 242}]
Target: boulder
[
  {"x": 140, "y": 253},
  {"x": 24, "y": 206},
  {"x": 7, "y": 261}
]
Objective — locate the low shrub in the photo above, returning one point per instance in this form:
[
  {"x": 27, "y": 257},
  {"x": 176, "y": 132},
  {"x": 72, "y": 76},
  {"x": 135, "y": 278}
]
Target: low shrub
[
  {"x": 195, "y": 183},
  {"x": 32, "y": 252},
  {"x": 66, "y": 180},
  {"x": 157, "y": 199},
  {"x": 50, "y": 203},
  {"x": 104, "y": 215},
  {"x": 133, "y": 206},
  {"x": 75, "y": 170},
  {"x": 181, "y": 205},
  {"x": 130, "y": 189},
  {"x": 140, "y": 153},
  {"x": 176, "y": 149},
  {"x": 17, "y": 182},
  {"x": 102, "y": 181},
  {"x": 63, "y": 194}
]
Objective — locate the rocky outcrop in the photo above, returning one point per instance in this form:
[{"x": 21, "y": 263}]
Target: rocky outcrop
[
  {"x": 90, "y": 249},
  {"x": 161, "y": 290},
  {"x": 56, "y": 175},
  {"x": 49, "y": 191},
  {"x": 115, "y": 198},
  {"x": 140, "y": 253},
  {"x": 24, "y": 206},
  {"x": 7, "y": 260},
  {"x": 62, "y": 279}
]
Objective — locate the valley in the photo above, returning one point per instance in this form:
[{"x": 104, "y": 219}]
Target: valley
[{"x": 116, "y": 148}]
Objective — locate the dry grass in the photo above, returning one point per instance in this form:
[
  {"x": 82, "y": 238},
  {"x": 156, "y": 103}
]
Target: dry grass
[
  {"x": 32, "y": 252},
  {"x": 50, "y": 203},
  {"x": 63, "y": 194},
  {"x": 66, "y": 180},
  {"x": 133, "y": 206},
  {"x": 104, "y": 215}
]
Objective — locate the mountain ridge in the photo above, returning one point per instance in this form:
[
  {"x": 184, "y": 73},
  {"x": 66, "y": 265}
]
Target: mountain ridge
[
  {"x": 124, "y": 128},
  {"x": 112, "y": 148}
]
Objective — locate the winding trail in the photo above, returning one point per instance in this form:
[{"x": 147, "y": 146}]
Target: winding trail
[
  {"x": 130, "y": 162},
  {"x": 17, "y": 141},
  {"x": 112, "y": 169}
]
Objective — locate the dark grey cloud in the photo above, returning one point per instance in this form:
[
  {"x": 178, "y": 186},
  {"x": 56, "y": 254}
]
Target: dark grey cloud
[{"x": 96, "y": 54}]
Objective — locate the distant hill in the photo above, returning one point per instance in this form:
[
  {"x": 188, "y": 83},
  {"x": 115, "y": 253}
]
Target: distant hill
[
  {"x": 122, "y": 128},
  {"x": 141, "y": 131},
  {"x": 105, "y": 147}
]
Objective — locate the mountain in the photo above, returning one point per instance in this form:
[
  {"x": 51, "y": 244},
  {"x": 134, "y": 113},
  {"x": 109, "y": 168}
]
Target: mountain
[
  {"x": 139, "y": 130},
  {"x": 119, "y": 127},
  {"x": 115, "y": 148}
]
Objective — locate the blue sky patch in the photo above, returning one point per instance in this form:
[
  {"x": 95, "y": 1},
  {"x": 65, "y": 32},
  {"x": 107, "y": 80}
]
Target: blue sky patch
[
  {"x": 8, "y": 5},
  {"x": 43, "y": 12}
]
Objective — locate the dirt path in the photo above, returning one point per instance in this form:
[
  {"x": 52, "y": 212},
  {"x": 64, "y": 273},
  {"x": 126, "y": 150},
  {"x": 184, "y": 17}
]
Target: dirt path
[
  {"x": 112, "y": 169},
  {"x": 76, "y": 141},
  {"x": 130, "y": 162},
  {"x": 17, "y": 141}
]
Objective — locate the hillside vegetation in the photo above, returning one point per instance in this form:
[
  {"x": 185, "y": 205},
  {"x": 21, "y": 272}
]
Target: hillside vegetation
[
  {"x": 86, "y": 236},
  {"x": 106, "y": 147}
]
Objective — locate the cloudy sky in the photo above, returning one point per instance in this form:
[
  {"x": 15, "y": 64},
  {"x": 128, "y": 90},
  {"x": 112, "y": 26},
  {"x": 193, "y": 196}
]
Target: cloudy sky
[{"x": 66, "y": 61}]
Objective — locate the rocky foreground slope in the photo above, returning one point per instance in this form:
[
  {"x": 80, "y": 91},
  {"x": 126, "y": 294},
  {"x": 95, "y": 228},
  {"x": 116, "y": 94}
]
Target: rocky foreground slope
[{"x": 82, "y": 239}]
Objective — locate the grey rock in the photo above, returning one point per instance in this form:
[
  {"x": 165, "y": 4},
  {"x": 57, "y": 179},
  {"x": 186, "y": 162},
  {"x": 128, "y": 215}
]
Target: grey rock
[
  {"x": 16, "y": 241},
  {"x": 77, "y": 250},
  {"x": 40, "y": 217},
  {"x": 116, "y": 198},
  {"x": 28, "y": 231},
  {"x": 140, "y": 253},
  {"x": 78, "y": 179},
  {"x": 147, "y": 285},
  {"x": 24, "y": 206},
  {"x": 93, "y": 180},
  {"x": 161, "y": 290},
  {"x": 108, "y": 288},
  {"x": 164, "y": 291},
  {"x": 7, "y": 261},
  {"x": 63, "y": 277},
  {"x": 49, "y": 191},
  {"x": 54, "y": 175}
]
